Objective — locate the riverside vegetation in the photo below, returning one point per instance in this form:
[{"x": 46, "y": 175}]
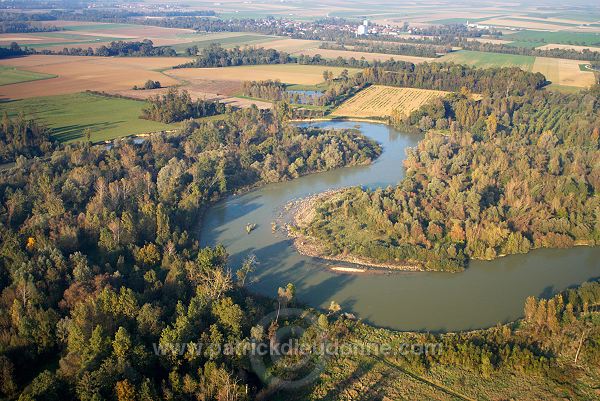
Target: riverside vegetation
[
  {"x": 493, "y": 177},
  {"x": 97, "y": 259}
]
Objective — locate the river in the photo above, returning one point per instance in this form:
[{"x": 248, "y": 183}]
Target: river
[{"x": 486, "y": 293}]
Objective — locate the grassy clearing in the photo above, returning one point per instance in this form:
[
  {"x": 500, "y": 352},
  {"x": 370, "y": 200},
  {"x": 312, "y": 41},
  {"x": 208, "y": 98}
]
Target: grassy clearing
[
  {"x": 488, "y": 60},
  {"x": 69, "y": 115},
  {"x": 381, "y": 101},
  {"x": 12, "y": 75}
]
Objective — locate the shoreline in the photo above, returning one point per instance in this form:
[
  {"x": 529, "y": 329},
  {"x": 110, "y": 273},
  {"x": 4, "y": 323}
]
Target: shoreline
[{"x": 301, "y": 212}]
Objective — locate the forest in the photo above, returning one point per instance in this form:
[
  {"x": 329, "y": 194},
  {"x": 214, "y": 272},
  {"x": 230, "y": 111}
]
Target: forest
[
  {"x": 493, "y": 177},
  {"x": 216, "y": 56},
  {"x": 22, "y": 137},
  {"x": 176, "y": 106},
  {"x": 98, "y": 260}
]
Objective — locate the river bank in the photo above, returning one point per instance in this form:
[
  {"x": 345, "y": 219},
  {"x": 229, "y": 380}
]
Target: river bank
[{"x": 302, "y": 211}]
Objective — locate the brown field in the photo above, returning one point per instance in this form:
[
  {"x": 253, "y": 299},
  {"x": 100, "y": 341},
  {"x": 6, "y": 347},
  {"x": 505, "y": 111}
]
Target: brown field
[
  {"x": 523, "y": 24},
  {"x": 563, "y": 72},
  {"x": 99, "y": 37},
  {"x": 487, "y": 40},
  {"x": 551, "y": 46},
  {"x": 77, "y": 74},
  {"x": 381, "y": 101},
  {"x": 288, "y": 73},
  {"x": 327, "y": 53},
  {"x": 293, "y": 46}
]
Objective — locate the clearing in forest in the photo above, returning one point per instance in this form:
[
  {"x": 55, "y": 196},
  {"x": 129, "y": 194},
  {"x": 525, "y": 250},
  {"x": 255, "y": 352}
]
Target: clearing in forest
[{"x": 381, "y": 101}]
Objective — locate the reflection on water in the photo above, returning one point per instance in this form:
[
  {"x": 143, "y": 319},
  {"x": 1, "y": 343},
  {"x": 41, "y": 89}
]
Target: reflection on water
[{"x": 485, "y": 294}]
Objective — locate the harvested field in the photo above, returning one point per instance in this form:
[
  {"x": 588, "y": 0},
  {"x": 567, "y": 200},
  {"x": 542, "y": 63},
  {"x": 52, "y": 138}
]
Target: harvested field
[
  {"x": 293, "y": 46},
  {"x": 287, "y": 73},
  {"x": 563, "y": 72},
  {"x": 78, "y": 74},
  {"x": 327, "y": 53},
  {"x": 381, "y": 101},
  {"x": 523, "y": 24},
  {"x": 84, "y": 35},
  {"x": 551, "y": 46},
  {"x": 488, "y": 40}
]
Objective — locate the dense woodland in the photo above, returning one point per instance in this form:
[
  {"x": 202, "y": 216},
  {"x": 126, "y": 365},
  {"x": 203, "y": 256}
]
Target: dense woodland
[
  {"x": 216, "y": 56},
  {"x": 98, "y": 261},
  {"x": 176, "y": 106},
  {"x": 22, "y": 137},
  {"x": 509, "y": 174}
]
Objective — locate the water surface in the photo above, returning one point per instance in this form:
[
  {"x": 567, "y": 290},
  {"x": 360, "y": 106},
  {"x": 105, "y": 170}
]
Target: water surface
[{"x": 485, "y": 294}]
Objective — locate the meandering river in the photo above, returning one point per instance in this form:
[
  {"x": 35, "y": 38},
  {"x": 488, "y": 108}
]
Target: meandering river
[{"x": 483, "y": 295}]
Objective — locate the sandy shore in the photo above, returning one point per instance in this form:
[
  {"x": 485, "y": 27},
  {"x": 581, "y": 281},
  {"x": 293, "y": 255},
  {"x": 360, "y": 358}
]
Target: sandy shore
[{"x": 302, "y": 212}]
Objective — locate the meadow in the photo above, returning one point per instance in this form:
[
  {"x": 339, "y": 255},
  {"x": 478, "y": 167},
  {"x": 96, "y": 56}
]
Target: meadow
[
  {"x": 539, "y": 38},
  {"x": 12, "y": 75},
  {"x": 68, "y": 116},
  {"x": 487, "y": 60},
  {"x": 381, "y": 101}
]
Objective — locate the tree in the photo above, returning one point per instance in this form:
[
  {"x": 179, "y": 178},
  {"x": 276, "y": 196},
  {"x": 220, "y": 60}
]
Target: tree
[{"x": 492, "y": 124}]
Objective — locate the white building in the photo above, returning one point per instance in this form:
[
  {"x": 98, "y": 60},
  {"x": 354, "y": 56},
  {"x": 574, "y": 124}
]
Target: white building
[{"x": 361, "y": 30}]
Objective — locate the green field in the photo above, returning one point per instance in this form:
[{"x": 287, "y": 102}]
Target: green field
[
  {"x": 488, "y": 60},
  {"x": 69, "y": 115},
  {"x": 566, "y": 38},
  {"x": 12, "y": 75}
]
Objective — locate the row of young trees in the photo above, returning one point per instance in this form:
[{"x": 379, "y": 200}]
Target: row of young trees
[
  {"x": 512, "y": 173},
  {"x": 144, "y": 48},
  {"x": 99, "y": 266}
]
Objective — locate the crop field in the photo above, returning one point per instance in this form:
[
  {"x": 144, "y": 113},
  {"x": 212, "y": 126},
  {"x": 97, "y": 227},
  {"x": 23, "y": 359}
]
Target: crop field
[
  {"x": 77, "y": 34},
  {"x": 564, "y": 72},
  {"x": 381, "y": 101},
  {"x": 563, "y": 37},
  {"x": 225, "y": 39},
  {"x": 568, "y": 47},
  {"x": 487, "y": 60},
  {"x": 12, "y": 75},
  {"x": 69, "y": 115},
  {"x": 330, "y": 54},
  {"x": 286, "y": 73},
  {"x": 78, "y": 74}
]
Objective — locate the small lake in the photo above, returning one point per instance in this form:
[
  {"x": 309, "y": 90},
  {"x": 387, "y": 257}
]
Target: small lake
[
  {"x": 304, "y": 96},
  {"x": 488, "y": 292}
]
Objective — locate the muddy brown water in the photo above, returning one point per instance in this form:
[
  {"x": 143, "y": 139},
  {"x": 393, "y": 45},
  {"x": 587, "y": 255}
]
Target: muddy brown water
[{"x": 486, "y": 293}]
